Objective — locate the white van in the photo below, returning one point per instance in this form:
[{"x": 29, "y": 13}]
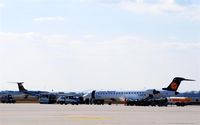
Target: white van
[{"x": 68, "y": 100}]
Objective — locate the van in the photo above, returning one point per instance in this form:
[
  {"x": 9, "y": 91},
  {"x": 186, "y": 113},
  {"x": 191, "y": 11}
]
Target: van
[{"x": 68, "y": 100}]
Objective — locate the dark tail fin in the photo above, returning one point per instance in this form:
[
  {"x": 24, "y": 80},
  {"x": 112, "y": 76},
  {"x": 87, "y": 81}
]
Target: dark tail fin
[
  {"x": 173, "y": 86},
  {"x": 21, "y": 87}
]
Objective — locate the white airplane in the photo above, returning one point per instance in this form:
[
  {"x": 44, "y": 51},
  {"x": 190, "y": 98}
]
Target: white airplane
[{"x": 101, "y": 97}]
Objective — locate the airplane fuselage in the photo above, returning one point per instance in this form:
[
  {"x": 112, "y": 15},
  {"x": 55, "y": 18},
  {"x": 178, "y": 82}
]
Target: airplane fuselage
[{"x": 120, "y": 95}]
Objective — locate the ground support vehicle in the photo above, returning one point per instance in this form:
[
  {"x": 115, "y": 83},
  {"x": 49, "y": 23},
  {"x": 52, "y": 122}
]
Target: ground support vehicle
[
  {"x": 68, "y": 100},
  {"x": 179, "y": 101},
  {"x": 7, "y": 99},
  {"x": 149, "y": 102},
  {"x": 47, "y": 98}
]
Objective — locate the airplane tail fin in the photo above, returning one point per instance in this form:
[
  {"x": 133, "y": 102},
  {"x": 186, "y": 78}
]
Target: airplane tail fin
[
  {"x": 21, "y": 87},
  {"x": 173, "y": 86}
]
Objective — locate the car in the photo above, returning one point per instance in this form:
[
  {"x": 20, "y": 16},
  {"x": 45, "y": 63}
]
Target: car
[
  {"x": 7, "y": 99},
  {"x": 68, "y": 100}
]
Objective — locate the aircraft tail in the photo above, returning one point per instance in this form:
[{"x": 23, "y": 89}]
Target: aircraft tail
[
  {"x": 21, "y": 87},
  {"x": 173, "y": 86}
]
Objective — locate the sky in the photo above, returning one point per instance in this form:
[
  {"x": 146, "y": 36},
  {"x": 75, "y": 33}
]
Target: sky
[{"x": 81, "y": 45}]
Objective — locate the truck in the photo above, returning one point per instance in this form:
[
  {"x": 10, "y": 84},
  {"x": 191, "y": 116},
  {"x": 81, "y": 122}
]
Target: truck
[
  {"x": 148, "y": 102},
  {"x": 47, "y": 98},
  {"x": 179, "y": 101}
]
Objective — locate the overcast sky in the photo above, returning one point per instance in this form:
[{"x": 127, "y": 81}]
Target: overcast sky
[{"x": 79, "y": 45}]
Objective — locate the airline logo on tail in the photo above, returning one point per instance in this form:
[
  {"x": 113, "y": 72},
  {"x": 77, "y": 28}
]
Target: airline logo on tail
[{"x": 174, "y": 86}]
